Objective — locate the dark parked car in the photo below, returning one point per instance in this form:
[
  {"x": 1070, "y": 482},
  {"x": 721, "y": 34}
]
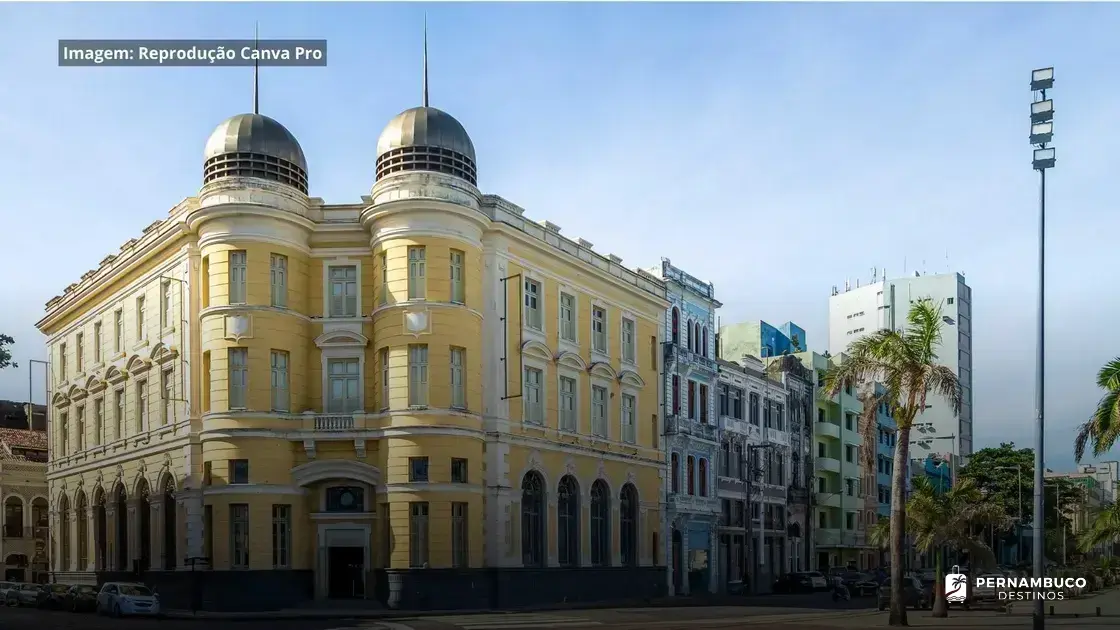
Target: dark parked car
[
  {"x": 803, "y": 582},
  {"x": 915, "y": 595},
  {"x": 53, "y": 596},
  {"x": 862, "y": 584},
  {"x": 81, "y": 598}
]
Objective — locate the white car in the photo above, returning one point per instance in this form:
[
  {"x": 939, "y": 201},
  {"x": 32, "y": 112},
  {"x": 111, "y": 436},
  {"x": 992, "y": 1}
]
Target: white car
[{"x": 126, "y": 599}]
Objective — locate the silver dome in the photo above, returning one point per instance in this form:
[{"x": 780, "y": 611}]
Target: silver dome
[
  {"x": 426, "y": 139},
  {"x": 253, "y": 133}
]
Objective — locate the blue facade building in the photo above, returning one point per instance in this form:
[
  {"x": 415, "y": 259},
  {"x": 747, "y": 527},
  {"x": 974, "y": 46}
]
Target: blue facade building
[
  {"x": 884, "y": 454},
  {"x": 691, "y": 431}
]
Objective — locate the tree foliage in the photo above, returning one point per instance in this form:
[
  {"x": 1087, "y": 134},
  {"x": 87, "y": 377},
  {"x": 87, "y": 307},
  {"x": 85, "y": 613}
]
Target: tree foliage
[
  {"x": 1104, "y": 528},
  {"x": 6, "y": 353},
  {"x": 1103, "y": 427},
  {"x": 996, "y": 472}
]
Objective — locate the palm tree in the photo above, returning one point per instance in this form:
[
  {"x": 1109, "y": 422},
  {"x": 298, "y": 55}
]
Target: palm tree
[
  {"x": 1103, "y": 428},
  {"x": 879, "y": 535},
  {"x": 939, "y": 519},
  {"x": 905, "y": 363},
  {"x": 1105, "y": 529}
]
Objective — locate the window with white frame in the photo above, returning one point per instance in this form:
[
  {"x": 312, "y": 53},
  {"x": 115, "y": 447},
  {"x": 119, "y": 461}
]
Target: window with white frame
[
  {"x": 80, "y": 429},
  {"x": 533, "y": 315},
  {"x": 278, "y": 279},
  {"x": 118, "y": 414},
  {"x": 629, "y": 353},
  {"x": 534, "y": 396},
  {"x": 460, "y": 550},
  {"x": 458, "y": 289},
  {"x": 383, "y": 360},
  {"x": 118, "y": 331},
  {"x": 79, "y": 342},
  {"x": 99, "y": 421},
  {"x": 281, "y": 536},
  {"x": 458, "y": 378},
  {"x": 64, "y": 433},
  {"x": 238, "y": 377},
  {"x": 167, "y": 393},
  {"x": 344, "y": 386},
  {"x": 599, "y": 411},
  {"x": 281, "y": 397},
  {"x": 568, "y": 421},
  {"x": 418, "y": 534},
  {"x": 384, "y": 278},
  {"x": 418, "y": 375},
  {"x": 417, "y": 273},
  {"x": 165, "y": 304},
  {"x": 239, "y": 536},
  {"x": 599, "y": 329},
  {"x": 344, "y": 291},
  {"x": 141, "y": 315},
  {"x": 628, "y": 430},
  {"x": 141, "y": 405},
  {"x": 567, "y": 317},
  {"x": 97, "y": 342},
  {"x": 237, "y": 276}
]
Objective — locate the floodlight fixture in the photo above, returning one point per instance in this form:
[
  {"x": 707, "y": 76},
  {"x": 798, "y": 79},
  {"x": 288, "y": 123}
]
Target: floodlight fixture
[
  {"x": 1042, "y": 79},
  {"x": 1042, "y": 111},
  {"x": 1043, "y": 159},
  {"x": 1042, "y": 133}
]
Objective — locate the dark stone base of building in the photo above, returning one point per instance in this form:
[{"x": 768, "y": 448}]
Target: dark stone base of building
[{"x": 224, "y": 591}]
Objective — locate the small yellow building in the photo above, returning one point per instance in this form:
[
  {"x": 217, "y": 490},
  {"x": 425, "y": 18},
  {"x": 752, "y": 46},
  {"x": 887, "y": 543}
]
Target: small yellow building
[
  {"x": 23, "y": 493},
  {"x": 424, "y": 398}
]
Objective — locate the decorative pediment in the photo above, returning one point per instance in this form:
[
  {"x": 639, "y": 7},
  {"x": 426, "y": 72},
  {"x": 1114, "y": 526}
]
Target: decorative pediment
[
  {"x": 603, "y": 370},
  {"x": 631, "y": 378},
  {"x": 534, "y": 349},
  {"x": 341, "y": 339},
  {"x": 60, "y": 400},
  {"x": 571, "y": 360},
  {"x": 331, "y": 469},
  {"x": 94, "y": 384},
  {"x": 75, "y": 393},
  {"x": 163, "y": 354},
  {"x": 137, "y": 365},
  {"x": 115, "y": 376}
]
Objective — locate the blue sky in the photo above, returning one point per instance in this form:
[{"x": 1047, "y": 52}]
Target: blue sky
[{"x": 775, "y": 149}]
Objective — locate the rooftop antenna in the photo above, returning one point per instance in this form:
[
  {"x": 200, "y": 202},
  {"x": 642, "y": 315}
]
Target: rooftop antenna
[
  {"x": 256, "y": 69},
  {"x": 425, "y": 60}
]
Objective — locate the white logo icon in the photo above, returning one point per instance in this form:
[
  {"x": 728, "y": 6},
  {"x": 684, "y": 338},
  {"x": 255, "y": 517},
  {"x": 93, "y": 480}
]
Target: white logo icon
[{"x": 956, "y": 586}]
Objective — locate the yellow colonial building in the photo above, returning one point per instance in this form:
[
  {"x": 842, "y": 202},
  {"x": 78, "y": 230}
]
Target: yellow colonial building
[{"x": 424, "y": 398}]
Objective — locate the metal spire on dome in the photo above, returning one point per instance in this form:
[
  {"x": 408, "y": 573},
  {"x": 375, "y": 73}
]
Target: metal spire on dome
[
  {"x": 425, "y": 60},
  {"x": 256, "y": 69}
]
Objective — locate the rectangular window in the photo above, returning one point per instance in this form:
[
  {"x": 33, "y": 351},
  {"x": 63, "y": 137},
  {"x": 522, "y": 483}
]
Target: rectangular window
[
  {"x": 418, "y": 469},
  {"x": 118, "y": 414},
  {"x": 80, "y": 429},
  {"x": 458, "y": 289},
  {"x": 534, "y": 397},
  {"x": 766, "y": 406},
  {"x": 704, "y": 404},
  {"x": 692, "y": 400},
  {"x": 141, "y": 315},
  {"x": 568, "y": 404},
  {"x": 165, "y": 304},
  {"x": 779, "y": 420},
  {"x": 417, "y": 375},
  {"x": 281, "y": 398},
  {"x": 97, "y": 342},
  {"x": 737, "y": 403},
  {"x": 599, "y": 411},
  {"x": 567, "y": 317},
  {"x": 418, "y": 534},
  {"x": 64, "y": 433},
  {"x": 629, "y": 353},
  {"x": 724, "y": 400},
  {"x": 99, "y": 421},
  {"x": 628, "y": 430},
  {"x": 458, "y": 470},
  {"x": 383, "y": 359},
  {"x": 281, "y": 536},
  {"x": 238, "y": 377},
  {"x": 343, "y": 385},
  {"x": 753, "y": 409},
  {"x": 238, "y": 471},
  {"x": 458, "y": 378},
  {"x": 417, "y": 275},
  {"x": 384, "y": 278},
  {"x": 238, "y": 273},
  {"x": 118, "y": 331},
  {"x": 79, "y": 340},
  {"x": 141, "y": 406},
  {"x": 459, "y": 549},
  {"x": 599, "y": 329},
  {"x": 167, "y": 394},
  {"x": 239, "y": 535},
  {"x": 344, "y": 291},
  {"x": 278, "y": 279},
  {"x": 533, "y": 316},
  {"x": 62, "y": 361}
]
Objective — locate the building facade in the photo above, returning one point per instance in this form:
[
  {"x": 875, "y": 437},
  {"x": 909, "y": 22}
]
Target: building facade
[
  {"x": 802, "y": 394},
  {"x": 691, "y": 379},
  {"x": 25, "y": 530},
  {"x": 882, "y": 303},
  {"x": 755, "y": 464},
  {"x": 423, "y": 398},
  {"x": 886, "y": 439}
]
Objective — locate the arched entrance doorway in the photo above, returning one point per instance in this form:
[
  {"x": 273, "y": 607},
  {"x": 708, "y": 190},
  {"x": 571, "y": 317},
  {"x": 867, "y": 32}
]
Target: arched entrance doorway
[
  {"x": 100, "y": 530},
  {"x": 144, "y": 524},
  {"x": 170, "y": 520},
  {"x": 121, "y": 510},
  {"x": 678, "y": 563},
  {"x": 15, "y": 568}
]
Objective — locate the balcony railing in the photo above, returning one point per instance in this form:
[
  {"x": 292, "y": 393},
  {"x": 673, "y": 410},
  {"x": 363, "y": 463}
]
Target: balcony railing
[
  {"x": 334, "y": 422},
  {"x": 681, "y": 354}
]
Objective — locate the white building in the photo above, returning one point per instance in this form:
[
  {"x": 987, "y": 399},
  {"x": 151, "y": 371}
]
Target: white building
[{"x": 861, "y": 310}]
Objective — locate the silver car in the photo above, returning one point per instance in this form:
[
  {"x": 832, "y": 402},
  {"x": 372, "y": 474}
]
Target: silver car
[
  {"x": 127, "y": 599},
  {"x": 23, "y": 595}
]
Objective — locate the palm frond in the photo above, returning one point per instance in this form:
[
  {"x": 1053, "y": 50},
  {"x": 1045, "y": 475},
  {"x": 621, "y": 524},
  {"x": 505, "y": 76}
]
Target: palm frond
[
  {"x": 1109, "y": 376},
  {"x": 923, "y": 330},
  {"x": 1102, "y": 429},
  {"x": 1105, "y": 528}
]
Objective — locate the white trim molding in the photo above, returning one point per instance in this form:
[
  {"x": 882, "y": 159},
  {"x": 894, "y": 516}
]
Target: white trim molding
[{"x": 332, "y": 469}]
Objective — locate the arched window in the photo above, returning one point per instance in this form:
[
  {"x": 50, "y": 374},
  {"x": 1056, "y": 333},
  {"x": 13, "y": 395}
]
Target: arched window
[
  {"x": 628, "y": 525},
  {"x": 676, "y": 394},
  {"x": 13, "y": 517},
  {"x": 83, "y": 531},
  {"x": 532, "y": 520},
  {"x": 676, "y": 472},
  {"x": 688, "y": 335},
  {"x": 567, "y": 522},
  {"x": 696, "y": 337},
  {"x": 600, "y": 524},
  {"x": 676, "y": 326},
  {"x": 703, "y": 477},
  {"x": 64, "y": 533},
  {"x": 704, "y": 342},
  {"x": 691, "y": 463}
]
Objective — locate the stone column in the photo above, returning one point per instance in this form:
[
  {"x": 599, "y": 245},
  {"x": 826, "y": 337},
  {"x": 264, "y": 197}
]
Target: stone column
[
  {"x": 157, "y": 514},
  {"x": 91, "y": 539},
  {"x": 72, "y": 533}
]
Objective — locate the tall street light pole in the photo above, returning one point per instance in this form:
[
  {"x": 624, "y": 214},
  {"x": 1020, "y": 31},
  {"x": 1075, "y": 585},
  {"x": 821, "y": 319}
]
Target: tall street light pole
[{"x": 1042, "y": 132}]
